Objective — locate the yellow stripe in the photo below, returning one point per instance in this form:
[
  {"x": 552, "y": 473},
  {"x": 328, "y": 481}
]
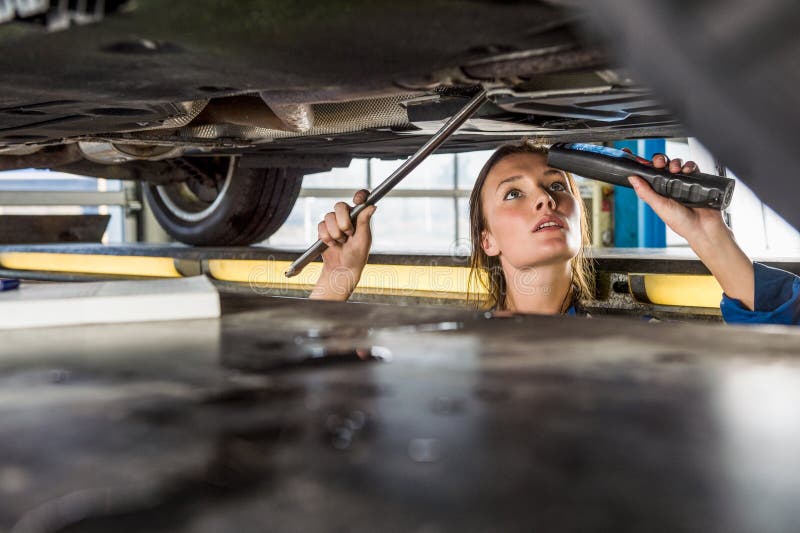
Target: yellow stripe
[
  {"x": 422, "y": 281},
  {"x": 443, "y": 281},
  {"x": 162, "y": 267},
  {"x": 686, "y": 290},
  {"x": 262, "y": 272}
]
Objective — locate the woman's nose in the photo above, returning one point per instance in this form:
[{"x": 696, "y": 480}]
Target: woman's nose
[{"x": 544, "y": 199}]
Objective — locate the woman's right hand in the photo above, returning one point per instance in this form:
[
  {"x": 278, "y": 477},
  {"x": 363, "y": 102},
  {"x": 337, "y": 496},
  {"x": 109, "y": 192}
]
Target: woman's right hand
[{"x": 347, "y": 252}]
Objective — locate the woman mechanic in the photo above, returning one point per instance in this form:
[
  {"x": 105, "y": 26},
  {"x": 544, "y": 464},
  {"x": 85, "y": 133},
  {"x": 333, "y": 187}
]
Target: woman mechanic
[{"x": 529, "y": 233}]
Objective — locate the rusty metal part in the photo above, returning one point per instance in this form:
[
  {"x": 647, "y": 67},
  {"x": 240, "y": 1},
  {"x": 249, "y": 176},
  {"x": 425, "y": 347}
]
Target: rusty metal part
[
  {"x": 528, "y": 64},
  {"x": 551, "y": 52},
  {"x": 295, "y": 117},
  {"x": 45, "y": 158},
  {"x": 173, "y": 138}
]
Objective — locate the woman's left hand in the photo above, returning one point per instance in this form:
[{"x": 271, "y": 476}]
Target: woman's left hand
[
  {"x": 700, "y": 226},
  {"x": 705, "y": 230}
]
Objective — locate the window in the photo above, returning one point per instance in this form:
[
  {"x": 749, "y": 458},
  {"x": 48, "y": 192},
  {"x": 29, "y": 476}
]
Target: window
[
  {"x": 427, "y": 212},
  {"x": 40, "y": 182}
]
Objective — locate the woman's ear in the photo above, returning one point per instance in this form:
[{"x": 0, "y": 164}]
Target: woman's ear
[{"x": 488, "y": 244}]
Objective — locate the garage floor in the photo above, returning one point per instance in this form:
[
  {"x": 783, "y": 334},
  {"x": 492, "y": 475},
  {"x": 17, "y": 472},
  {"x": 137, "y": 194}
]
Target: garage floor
[{"x": 313, "y": 416}]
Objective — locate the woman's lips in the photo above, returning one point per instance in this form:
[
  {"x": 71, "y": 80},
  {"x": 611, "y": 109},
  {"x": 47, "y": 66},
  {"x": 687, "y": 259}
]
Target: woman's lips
[
  {"x": 549, "y": 228},
  {"x": 551, "y": 222}
]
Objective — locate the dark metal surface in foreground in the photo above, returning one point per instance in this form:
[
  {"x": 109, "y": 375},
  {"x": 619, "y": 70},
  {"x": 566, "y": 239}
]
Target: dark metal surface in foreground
[{"x": 294, "y": 415}]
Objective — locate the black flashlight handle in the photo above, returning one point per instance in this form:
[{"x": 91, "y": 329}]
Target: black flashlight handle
[{"x": 614, "y": 166}]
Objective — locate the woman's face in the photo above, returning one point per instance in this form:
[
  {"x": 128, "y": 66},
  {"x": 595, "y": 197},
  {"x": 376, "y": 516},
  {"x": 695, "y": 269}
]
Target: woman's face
[{"x": 532, "y": 216}]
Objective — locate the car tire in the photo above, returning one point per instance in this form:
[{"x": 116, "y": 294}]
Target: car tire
[{"x": 248, "y": 206}]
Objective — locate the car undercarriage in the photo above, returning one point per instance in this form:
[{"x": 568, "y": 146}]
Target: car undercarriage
[
  {"x": 178, "y": 94},
  {"x": 272, "y": 91}
]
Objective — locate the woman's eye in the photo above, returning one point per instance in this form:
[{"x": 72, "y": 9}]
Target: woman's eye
[
  {"x": 558, "y": 186},
  {"x": 513, "y": 193}
]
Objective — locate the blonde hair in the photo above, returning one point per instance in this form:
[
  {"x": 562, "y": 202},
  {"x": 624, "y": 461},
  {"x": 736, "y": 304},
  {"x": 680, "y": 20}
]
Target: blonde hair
[{"x": 486, "y": 271}]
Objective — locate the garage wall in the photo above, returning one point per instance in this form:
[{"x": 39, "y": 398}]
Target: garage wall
[{"x": 427, "y": 212}]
